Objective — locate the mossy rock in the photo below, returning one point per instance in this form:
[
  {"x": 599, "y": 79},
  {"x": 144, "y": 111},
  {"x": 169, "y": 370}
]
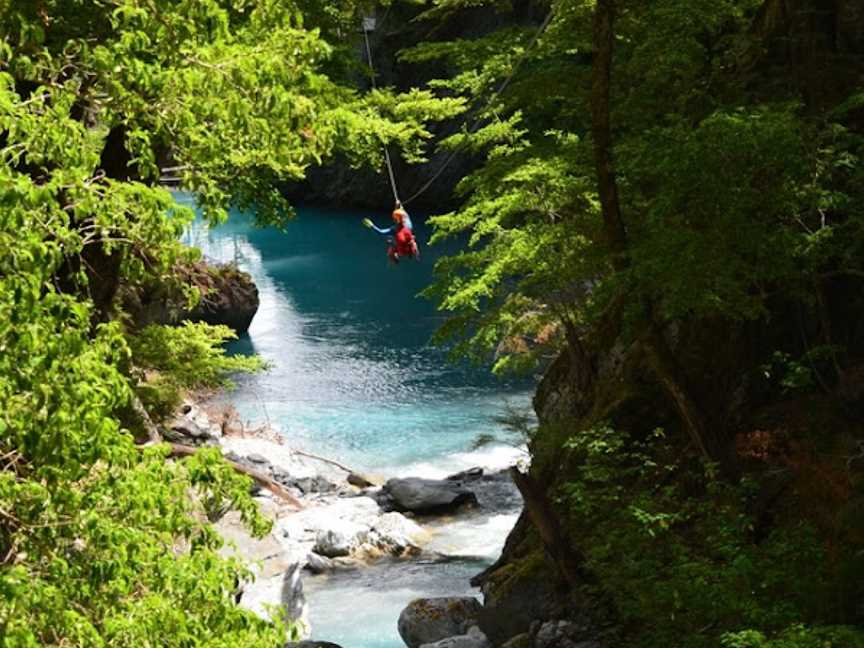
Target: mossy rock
[{"x": 519, "y": 593}]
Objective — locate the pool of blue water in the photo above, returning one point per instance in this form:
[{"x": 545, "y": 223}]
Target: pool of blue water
[{"x": 354, "y": 375}]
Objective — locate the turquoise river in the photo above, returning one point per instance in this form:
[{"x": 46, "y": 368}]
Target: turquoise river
[{"x": 353, "y": 375}]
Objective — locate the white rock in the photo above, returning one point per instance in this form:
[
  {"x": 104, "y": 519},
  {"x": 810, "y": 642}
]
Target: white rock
[
  {"x": 276, "y": 576},
  {"x": 318, "y": 564},
  {"x": 350, "y": 518},
  {"x": 396, "y": 533},
  {"x": 339, "y": 538}
]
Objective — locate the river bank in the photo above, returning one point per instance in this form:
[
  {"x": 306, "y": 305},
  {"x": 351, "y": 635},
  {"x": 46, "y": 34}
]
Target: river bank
[{"x": 389, "y": 539}]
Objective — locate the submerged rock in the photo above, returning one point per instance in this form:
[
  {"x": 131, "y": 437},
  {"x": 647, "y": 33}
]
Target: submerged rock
[
  {"x": 428, "y": 495},
  {"x": 426, "y": 621}
]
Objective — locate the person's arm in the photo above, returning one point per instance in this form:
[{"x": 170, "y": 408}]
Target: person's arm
[{"x": 381, "y": 230}]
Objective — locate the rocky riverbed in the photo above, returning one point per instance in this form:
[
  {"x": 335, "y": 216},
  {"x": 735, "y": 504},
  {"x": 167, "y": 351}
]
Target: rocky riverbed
[{"x": 350, "y": 527}]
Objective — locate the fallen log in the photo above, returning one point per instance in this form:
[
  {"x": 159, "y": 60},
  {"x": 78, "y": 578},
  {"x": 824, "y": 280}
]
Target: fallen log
[
  {"x": 153, "y": 434},
  {"x": 180, "y": 450}
]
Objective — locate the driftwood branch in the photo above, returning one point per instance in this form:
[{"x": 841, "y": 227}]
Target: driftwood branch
[
  {"x": 570, "y": 562},
  {"x": 324, "y": 459},
  {"x": 180, "y": 450}
]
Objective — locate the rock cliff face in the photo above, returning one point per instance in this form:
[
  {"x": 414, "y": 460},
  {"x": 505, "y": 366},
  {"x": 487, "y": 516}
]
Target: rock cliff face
[
  {"x": 228, "y": 296},
  {"x": 526, "y": 599}
]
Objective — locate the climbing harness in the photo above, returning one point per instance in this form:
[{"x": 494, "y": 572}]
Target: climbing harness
[{"x": 369, "y": 25}]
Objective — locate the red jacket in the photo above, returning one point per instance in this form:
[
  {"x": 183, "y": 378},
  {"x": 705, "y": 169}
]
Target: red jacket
[{"x": 405, "y": 245}]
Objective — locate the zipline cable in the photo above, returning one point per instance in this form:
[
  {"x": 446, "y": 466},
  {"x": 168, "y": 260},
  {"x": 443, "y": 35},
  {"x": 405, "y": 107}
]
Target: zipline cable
[
  {"x": 498, "y": 91},
  {"x": 501, "y": 87},
  {"x": 375, "y": 87}
]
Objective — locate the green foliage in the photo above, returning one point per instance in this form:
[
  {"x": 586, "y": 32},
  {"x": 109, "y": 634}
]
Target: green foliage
[
  {"x": 675, "y": 549},
  {"x": 798, "y": 636},
  {"x": 730, "y": 199},
  {"x": 176, "y": 358},
  {"x": 192, "y": 353},
  {"x": 798, "y": 375},
  {"x": 103, "y": 543}
]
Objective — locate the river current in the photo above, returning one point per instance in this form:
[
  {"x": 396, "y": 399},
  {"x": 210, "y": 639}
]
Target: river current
[{"x": 353, "y": 375}]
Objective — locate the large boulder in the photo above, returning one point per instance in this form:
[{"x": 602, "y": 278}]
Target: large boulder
[
  {"x": 352, "y": 527},
  {"x": 428, "y": 496},
  {"x": 229, "y": 296},
  {"x": 309, "y": 643},
  {"x": 425, "y": 621},
  {"x": 474, "y": 638}
]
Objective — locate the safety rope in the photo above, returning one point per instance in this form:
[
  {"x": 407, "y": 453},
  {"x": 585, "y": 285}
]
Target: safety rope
[
  {"x": 501, "y": 87},
  {"x": 374, "y": 87}
]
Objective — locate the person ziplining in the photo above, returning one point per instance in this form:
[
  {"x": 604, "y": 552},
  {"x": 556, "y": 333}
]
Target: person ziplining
[{"x": 402, "y": 245}]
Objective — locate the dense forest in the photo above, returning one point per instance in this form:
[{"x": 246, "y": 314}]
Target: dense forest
[{"x": 662, "y": 210}]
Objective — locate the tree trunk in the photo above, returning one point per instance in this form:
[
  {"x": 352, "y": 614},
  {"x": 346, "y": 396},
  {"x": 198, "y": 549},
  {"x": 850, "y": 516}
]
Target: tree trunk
[
  {"x": 569, "y": 561},
  {"x": 607, "y": 186},
  {"x": 660, "y": 356}
]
